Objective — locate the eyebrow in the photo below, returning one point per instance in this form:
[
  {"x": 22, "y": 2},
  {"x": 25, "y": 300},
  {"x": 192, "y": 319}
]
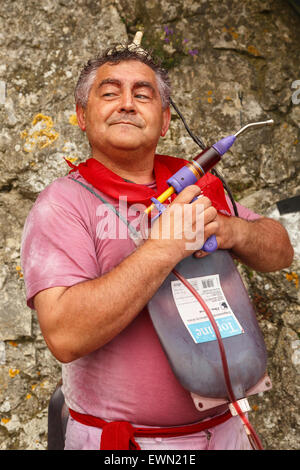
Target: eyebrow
[
  {"x": 111, "y": 81},
  {"x": 118, "y": 83}
]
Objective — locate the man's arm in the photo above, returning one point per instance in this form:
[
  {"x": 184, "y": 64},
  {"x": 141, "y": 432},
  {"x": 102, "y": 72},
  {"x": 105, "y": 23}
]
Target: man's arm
[
  {"x": 262, "y": 244},
  {"x": 80, "y": 319}
]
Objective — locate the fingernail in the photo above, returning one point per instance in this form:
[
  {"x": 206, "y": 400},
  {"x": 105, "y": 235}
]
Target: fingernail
[{"x": 199, "y": 254}]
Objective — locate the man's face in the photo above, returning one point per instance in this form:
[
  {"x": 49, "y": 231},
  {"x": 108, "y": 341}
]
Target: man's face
[{"x": 124, "y": 110}]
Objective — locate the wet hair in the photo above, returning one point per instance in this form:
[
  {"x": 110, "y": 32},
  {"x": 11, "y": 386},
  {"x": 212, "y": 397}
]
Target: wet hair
[{"x": 116, "y": 55}]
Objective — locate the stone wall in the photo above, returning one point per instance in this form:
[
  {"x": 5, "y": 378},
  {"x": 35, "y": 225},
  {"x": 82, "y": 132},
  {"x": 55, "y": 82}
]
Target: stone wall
[{"x": 230, "y": 62}]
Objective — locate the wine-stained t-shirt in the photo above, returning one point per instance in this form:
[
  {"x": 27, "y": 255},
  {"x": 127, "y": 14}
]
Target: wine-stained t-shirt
[{"x": 67, "y": 240}]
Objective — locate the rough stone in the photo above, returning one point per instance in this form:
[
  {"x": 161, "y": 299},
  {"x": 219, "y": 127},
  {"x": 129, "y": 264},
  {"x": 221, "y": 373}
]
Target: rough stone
[{"x": 230, "y": 63}]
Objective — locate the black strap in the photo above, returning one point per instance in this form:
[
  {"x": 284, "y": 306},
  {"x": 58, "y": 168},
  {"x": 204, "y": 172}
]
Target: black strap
[{"x": 135, "y": 234}]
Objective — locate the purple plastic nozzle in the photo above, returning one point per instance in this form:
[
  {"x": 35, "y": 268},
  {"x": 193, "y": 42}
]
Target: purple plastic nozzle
[
  {"x": 224, "y": 144},
  {"x": 210, "y": 245}
]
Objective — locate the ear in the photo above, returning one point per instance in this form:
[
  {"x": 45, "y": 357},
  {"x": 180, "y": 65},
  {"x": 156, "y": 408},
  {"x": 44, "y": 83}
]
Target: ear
[
  {"x": 80, "y": 111},
  {"x": 166, "y": 121}
]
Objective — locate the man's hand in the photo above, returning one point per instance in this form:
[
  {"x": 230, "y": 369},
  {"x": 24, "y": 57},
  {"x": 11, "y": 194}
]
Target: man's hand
[
  {"x": 225, "y": 235},
  {"x": 184, "y": 226},
  {"x": 262, "y": 244}
]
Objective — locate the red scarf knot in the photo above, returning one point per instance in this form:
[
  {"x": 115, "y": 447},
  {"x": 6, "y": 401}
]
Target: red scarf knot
[
  {"x": 118, "y": 435},
  {"x": 165, "y": 166}
]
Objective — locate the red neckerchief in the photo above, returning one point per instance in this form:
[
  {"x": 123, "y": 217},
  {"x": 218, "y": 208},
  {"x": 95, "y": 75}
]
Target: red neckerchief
[{"x": 165, "y": 166}]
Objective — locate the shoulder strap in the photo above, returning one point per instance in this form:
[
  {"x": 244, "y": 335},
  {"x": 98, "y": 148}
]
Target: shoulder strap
[{"x": 134, "y": 235}]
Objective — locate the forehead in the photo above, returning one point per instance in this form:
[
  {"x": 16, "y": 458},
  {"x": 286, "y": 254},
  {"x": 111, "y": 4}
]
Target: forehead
[{"x": 126, "y": 71}]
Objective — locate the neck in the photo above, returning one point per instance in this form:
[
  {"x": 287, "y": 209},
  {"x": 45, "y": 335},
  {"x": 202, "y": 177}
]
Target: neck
[{"x": 132, "y": 167}]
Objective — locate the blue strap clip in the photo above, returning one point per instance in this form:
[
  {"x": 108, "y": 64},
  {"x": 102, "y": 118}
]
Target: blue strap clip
[{"x": 160, "y": 208}]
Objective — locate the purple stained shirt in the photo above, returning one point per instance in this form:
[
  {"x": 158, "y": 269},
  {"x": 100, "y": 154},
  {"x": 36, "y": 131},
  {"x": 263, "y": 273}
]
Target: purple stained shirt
[{"x": 65, "y": 241}]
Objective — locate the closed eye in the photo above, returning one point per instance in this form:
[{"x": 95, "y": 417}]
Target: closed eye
[
  {"x": 109, "y": 95},
  {"x": 140, "y": 96}
]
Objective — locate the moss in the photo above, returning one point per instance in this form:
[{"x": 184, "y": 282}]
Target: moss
[
  {"x": 165, "y": 41},
  {"x": 248, "y": 271},
  {"x": 237, "y": 187},
  {"x": 155, "y": 42}
]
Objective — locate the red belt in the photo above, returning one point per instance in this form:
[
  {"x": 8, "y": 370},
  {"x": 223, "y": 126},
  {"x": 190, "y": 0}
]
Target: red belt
[{"x": 119, "y": 435}]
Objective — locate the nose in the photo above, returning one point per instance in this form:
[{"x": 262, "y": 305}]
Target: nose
[{"x": 127, "y": 104}]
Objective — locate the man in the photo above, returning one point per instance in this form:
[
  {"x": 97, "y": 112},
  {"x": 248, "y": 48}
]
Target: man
[{"x": 90, "y": 288}]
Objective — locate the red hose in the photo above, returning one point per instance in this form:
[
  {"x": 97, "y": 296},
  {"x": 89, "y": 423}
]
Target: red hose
[{"x": 224, "y": 361}]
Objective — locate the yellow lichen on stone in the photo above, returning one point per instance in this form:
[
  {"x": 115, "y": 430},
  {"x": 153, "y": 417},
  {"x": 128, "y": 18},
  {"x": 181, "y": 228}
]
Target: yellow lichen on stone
[
  {"x": 230, "y": 31},
  {"x": 73, "y": 120},
  {"x": 5, "y": 420},
  {"x": 253, "y": 51},
  {"x": 13, "y": 372},
  {"x": 41, "y": 133},
  {"x": 293, "y": 277},
  {"x": 18, "y": 269},
  {"x": 72, "y": 160}
]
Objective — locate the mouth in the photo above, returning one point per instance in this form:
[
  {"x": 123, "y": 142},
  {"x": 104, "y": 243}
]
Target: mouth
[{"x": 127, "y": 123}]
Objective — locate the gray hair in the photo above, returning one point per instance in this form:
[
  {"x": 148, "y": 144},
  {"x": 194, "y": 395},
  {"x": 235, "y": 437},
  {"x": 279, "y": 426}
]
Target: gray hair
[{"x": 115, "y": 56}]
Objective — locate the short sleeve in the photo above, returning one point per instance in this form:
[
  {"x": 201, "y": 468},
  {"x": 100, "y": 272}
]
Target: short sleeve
[
  {"x": 244, "y": 212},
  {"x": 57, "y": 248}
]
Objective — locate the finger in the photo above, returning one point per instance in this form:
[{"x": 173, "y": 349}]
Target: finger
[
  {"x": 210, "y": 229},
  {"x": 187, "y": 194},
  {"x": 204, "y": 210},
  {"x": 210, "y": 214},
  {"x": 203, "y": 200},
  {"x": 200, "y": 254}
]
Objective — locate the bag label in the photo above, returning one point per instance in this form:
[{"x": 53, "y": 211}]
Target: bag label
[{"x": 193, "y": 315}]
